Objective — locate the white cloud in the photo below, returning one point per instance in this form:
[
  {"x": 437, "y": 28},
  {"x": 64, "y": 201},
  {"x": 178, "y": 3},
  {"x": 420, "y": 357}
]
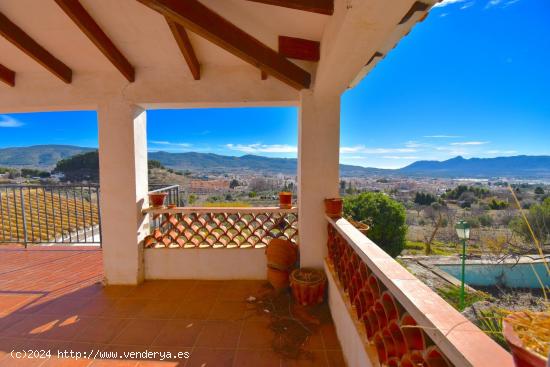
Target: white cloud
[
  {"x": 462, "y": 143},
  {"x": 492, "y": 3},
  {"x": 7, "y": 121},
  {"x": 262, "y": 148},
  {"x": 508, "y": 3},
  {"x": 502, "y": 151},
  {"x": 164, "y": 142},
  {"x": 400, "y": 157},
  {"x": 443, "y": 136},
  {"x": 447, "y": 2},
  {"x": 362, "y": 149}
]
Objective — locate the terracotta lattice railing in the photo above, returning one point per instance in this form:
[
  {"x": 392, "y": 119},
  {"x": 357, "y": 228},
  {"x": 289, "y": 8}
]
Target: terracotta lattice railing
[
  {"x": 220, "y": 227},
  {"x": 401, "y": 321}
]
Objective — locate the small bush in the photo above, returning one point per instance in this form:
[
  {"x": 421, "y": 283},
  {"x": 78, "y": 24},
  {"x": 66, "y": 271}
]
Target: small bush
[
  {"x": 387, "y": 218},
  {"x": 451, "y": 294}
]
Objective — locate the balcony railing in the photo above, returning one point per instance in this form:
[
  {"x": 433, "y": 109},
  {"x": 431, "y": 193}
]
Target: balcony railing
[
  {"x": 400, "y": 320},
  {"x": 220, "y": 227},
  {"x": 65, "y": 214}
]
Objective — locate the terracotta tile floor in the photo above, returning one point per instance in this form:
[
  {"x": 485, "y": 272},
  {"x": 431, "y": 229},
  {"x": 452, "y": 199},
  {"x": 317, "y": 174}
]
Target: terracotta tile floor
[{"x": 52, "y": 299}]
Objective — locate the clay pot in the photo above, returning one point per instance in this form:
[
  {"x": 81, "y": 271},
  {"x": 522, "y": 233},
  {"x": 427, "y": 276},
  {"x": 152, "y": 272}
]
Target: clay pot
[
  {"x": 157, "y": 198},
  {"x": 281, "y": 254},
  {"x": 308, "y": 286},
  {"x": 523, "y": 357},
  {"x": 278, "y": 278},
  {"x": 285, "y": 200},
  {"x": 333, "y": 207}
]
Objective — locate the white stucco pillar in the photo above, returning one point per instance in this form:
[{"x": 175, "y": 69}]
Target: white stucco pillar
[
  {"x": 123, "y": 185},
  {"x": 318, "y": 171}
]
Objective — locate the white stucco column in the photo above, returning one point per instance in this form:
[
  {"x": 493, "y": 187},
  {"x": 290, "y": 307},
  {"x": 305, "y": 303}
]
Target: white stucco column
[
  {"x": 318, "y": 171},
  {"x": 123, "y": 185}
]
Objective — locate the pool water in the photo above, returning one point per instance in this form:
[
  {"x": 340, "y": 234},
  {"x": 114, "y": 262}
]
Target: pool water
[{"x": 519, "y": 275}]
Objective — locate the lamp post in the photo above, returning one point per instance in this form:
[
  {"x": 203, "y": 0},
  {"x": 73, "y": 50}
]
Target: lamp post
[{"x": 463, "y": 231}]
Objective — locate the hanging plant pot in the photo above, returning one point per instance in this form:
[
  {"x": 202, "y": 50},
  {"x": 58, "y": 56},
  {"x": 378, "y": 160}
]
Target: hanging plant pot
[
  {"x": 333, "y": 207},
  {"x": 308, "y": 286},
  {"x": 157, "y": 199},
  {"x": 285, "y": 200},
  {"x": 523, "y": 356}
]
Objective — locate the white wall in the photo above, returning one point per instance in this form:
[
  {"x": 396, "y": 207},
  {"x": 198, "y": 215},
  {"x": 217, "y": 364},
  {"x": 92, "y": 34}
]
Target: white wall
[
  {"x": 318, "y": 171},
  {"x": 352, "y": 343},
  {"x": 205, "y": 264},
  {"x": 123, "y": 185}
]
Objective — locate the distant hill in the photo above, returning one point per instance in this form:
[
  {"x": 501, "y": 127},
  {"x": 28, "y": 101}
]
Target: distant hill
[
  {"x": 521, "y": 166},
  {"x": 538, "y": 167},
  {"x": 216, "y": 163},
  {"x": 38, "y": 156}
]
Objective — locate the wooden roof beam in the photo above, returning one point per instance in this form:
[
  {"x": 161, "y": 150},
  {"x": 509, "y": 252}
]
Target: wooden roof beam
[
  {"x": 315, "y": 6},
  {"x": 25, "y": 43},
  {"x": 184, "y": 44},
  {"x": 199, "y": 19},
  {"x": 7, "y": 75},
  {"x": 91, "y": 29},
  {"x": 299, "y": 48}
]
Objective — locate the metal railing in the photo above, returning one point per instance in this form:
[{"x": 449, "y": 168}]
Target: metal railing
[
  {"x": 173, "y": 192},
  {"x": 50, "y": 214}
]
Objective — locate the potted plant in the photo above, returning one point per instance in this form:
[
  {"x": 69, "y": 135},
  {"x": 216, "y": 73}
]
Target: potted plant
[
  {"x": 333, "y": 207},
  {"x": 285, "y": 200},
  {"x": 308, "y": 286},
  {"x": 157, "y": 198},
  {"x": 281, "y": 256},
  {"x": 528, "y": 335}
]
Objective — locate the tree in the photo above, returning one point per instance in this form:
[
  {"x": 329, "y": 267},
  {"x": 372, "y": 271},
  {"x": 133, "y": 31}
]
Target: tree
[
  {"x": 539, "y": 219},
  {"x": 234, "y": 183},
  {"x": 539, "y": 190},
  {"x": 154, "y": 164},
  {"x": 79, "y": 167},
  {"x": 424, "y": 198},
  {"x": 497, "y": 204},
  {"x": 386, "y": 216}
]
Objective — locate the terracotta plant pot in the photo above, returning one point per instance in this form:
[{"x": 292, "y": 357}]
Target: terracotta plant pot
[
  {"x": 285, "y": 200},
  {"x": 157, "y": 198},
  {"x": 308, "y": 286},
  {"x": 333, "y": 207},
  {"x": 278, "y": 278},
  {"x": 281, "y": 254},
  {"x": 523, "y": 357}
]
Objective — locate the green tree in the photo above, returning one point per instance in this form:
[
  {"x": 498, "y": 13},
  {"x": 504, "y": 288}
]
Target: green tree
[
  {"x": 539, "y": 219},
  {"x": 539, "y": 190},
  {"x": 154, "y": 164},
  {"x": 192, "y": 199},
  {"x": 424, "y": 198},
  {"x": 79, "y": 167},
  {"x": 234, "y": 183},
  {"x": 386, "y": 216}
]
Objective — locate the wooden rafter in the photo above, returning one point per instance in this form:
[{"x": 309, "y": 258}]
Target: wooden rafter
[
  {"x": 299, "y": 48},
  {"x": 417, "y": 6},
  {"x": 184, "y": 44},
  {"x": 315, "y": 6},
  {"x": 199, "y": 19},
  {"x": 7, "y": 75},
  {"x": 91, "y": 29},
  {"x": 25, "y": 43}
]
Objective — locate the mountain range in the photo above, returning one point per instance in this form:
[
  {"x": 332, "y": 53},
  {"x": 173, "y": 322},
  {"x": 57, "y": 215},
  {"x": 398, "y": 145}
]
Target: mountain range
[{"x": 537, "y": 167}]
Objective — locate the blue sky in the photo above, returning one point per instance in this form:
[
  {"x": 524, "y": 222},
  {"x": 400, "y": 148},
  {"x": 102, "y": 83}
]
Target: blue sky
[{"x": 472, "y": 79}]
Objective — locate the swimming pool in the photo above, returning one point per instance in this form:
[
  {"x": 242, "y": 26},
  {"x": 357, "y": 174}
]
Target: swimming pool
[{"x": 519, "y": 275}]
